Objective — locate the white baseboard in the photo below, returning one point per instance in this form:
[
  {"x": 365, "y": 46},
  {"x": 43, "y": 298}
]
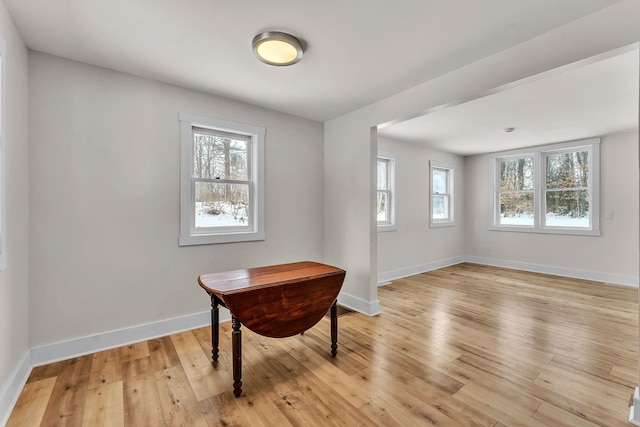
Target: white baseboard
[
  {"x": 358, "y": 304},
  {"x": 13, "y": 387},
  {"x": 86, "y": 345},
  {"x": 615, "y": 279},
  {"x": 634, "y": 411},
  {"x": 385, "y": 278}
]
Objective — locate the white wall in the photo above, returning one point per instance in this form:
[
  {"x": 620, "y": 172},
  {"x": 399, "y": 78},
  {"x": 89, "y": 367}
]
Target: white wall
[
  {"x": 613, "y": 255},
  {"x": 14, "y": 279},
  {"x": 104, "y": 182},
  {"x": 351, "y": 236},
  {"x": 349, "y": 212},
  {"x": 415, "y": 247}
]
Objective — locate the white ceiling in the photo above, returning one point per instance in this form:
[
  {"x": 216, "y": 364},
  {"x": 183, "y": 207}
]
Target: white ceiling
[
  {"x": 589, "y": 99},
  {"x": 359, "y": 51}
]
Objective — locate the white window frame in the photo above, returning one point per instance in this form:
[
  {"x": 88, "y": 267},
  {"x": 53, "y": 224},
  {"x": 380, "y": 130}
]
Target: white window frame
[
  {"x": 389, "y": 225},
  {"x": 450, "y": 220},
  {"x": 256, "y": 137},
  {"x": 539, "y": 154},
  {"x": 3, "y": 171}
]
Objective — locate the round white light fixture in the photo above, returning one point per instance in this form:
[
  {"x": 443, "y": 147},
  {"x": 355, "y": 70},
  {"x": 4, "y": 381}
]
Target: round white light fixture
[{"x": 277, "y": 48}]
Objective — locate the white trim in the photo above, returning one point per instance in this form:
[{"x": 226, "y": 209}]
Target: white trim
[
  {"x": 391, "y": 224},
  {"x": 90, "y": 344},
  {"x": 634, "y": 411},
  {"x": 256, "y": 135},
  {"x": 359, "y": 305},
  {"x": 12, "y": 388},
  {"x": 606, "y": 278},
  {"x": 539, "y": 154},
  {"x": 384, "y": 278},
  {"x": 451, "y": 220},
  {"x": 387, "y": 227},
  {"x": 614, "y": 279}
]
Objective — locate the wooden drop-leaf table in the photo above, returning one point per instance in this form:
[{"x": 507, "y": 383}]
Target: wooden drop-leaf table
[{"x": 276, "y": 301}]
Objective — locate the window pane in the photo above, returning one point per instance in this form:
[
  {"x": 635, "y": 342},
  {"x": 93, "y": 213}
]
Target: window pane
[
  {"x": 516, "y": 208},
  {"x": 568, "y": 170},
  {"x": 440, "y": 207},
  {"x": 516, "y": 174},
  {"x": 382, "y": 175},
  {"x": 218, "y": 157},
  {"x": 439, "y": 181},
  {"x": 567, "y": 208},
  {"x": 382, "y": 207},
  {"x": 221, "y": 205}
]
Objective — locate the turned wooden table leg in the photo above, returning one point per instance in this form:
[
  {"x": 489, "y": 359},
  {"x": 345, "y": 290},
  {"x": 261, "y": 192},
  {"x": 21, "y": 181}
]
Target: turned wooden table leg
[
  {"x": 215, "y": 328},
  {"x": 334, "y": 329},
  {"x": 236, "y": 342}
]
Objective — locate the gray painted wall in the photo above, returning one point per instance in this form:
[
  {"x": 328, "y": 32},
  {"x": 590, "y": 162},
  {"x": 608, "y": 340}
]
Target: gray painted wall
[
  {"x": 104, "y": 182},
  {"x": 14, "y": 286}
]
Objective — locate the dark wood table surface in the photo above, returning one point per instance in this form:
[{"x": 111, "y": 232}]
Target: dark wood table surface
[{"x": 276, "y": 301}]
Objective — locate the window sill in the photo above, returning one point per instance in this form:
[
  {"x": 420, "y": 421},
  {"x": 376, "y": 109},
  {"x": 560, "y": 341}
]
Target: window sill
[
  {"x": 388, "y": 227},
  {"x": 564, "y": 231},
  {"x": 213, "y": 239},
  {"x": 442, "y": 224}
]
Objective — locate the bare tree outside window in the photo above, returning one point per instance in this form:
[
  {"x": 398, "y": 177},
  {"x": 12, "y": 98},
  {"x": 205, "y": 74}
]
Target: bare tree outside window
[
  {"x": 567, "y": 189},
  {"x": 517, "y": 191},
  {"x": 221, "y": 173}
]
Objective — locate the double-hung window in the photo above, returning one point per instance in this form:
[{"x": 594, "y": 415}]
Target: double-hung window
[
  {"x": 385, "y": 200},
  {"x": 221, "y": 194},
  {"x": 549, "y": 189},
  {"x": 441, "y": 195}
]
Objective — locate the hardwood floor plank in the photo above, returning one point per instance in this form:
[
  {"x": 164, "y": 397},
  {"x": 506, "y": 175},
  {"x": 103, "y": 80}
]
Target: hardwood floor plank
[
  {"x": 68, "y": 397},
  {"x": 206, "y": 379},
  {"x": 300, "y": 412},
  {"x": 350, "y": 388},
  {"x": 135, "y": 351},
  {"x": 30, "y": 407},
  {"x": 177, "y": 399},
  {"x": 222, "y": 411},
  {"x": 553, "y": 416},
  {"x": 104, "y": 406},
  {"x": 387, "y": 415},
  {"x": 163, "y": 354},
  {"x": 106, "y": 368},
  {"x": 142, "y": 406}
]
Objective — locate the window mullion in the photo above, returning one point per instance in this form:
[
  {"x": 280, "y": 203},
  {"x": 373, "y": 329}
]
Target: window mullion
[{"x": 539, "y": 188}]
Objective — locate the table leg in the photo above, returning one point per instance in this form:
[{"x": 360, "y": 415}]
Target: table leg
[
  {"x": 215, "y": 328},
  {"x": 334, "y": 329},
  {"x": 236, "y": 342}
]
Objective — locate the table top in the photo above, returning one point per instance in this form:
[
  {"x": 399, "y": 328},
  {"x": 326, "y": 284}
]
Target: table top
[
  {"x": 229, "y": 282},
  {"x": 279, "y": 300}
]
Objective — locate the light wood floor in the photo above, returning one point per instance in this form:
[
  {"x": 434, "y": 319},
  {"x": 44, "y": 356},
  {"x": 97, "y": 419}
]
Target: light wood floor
[{"x": 464, "y": 345}]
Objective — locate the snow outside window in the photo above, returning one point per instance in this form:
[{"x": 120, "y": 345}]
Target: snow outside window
[
  {"x": 441, "y": 195},
  {"x": 221, "y": 192},
  {"x": 549, "y": 189}
]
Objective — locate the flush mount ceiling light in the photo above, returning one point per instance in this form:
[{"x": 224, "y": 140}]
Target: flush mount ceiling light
[{"x": 277, "y": 48}]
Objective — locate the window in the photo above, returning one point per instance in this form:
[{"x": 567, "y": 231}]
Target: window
[
  {"x": 515, "y": 192},
  {"x": 221, "y": 190},
  {"x": 550, "y": 189},
  {"x": 385, "y": 201},
  {"x": 441, "y": 195}
]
